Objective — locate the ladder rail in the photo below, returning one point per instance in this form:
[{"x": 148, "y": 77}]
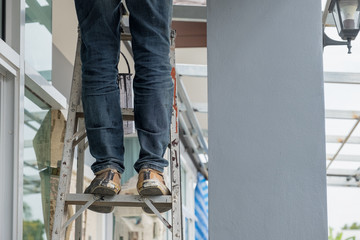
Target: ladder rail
[
  {"x": 80, "y": 179},
  {"x": 177, "y": 232},
  {"x": 68, "y": 153}
]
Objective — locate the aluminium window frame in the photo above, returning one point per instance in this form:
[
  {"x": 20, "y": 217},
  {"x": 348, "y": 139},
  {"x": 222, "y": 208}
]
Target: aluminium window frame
[
  {"x": 3, "y": 19},
  {"x": 11, "y": 103},
  {"x": 12, "y": 54},
  {"x": 15, "y": 76}
]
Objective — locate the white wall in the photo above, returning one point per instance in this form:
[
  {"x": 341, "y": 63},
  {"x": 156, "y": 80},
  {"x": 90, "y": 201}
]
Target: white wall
[
  {"x": 266, "y": 120},
  {"x": 64, "y": 35}
]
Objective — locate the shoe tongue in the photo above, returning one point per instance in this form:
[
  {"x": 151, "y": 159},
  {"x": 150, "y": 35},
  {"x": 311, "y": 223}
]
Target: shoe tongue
[
  {"x": 156, "y": 171},
  {"x": 105, "y": 170}
]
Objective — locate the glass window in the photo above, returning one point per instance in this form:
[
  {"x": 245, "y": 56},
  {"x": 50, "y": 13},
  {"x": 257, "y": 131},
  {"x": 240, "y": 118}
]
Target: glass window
[
  {"x": 2, "y": 19},
  {"x": 37, "y": 168},
  {"x": 38, "y": 36}
]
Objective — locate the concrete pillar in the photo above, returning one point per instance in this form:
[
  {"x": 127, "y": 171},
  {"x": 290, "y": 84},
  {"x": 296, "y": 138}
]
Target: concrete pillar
[{"x": 266, "y": 120}]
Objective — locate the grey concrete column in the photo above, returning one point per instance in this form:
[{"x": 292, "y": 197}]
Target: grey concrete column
[{"x": 266, "y": 120}]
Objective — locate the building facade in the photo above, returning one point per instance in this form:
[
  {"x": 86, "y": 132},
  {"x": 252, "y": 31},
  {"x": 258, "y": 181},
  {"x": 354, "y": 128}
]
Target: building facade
[{"x": 37, "y": 49}]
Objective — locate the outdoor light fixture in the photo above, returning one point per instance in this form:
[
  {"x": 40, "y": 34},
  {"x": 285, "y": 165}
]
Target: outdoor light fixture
[{"x": 346, "y": 16}]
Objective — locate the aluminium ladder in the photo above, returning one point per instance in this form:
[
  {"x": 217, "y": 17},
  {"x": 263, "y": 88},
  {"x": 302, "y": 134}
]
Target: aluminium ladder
[{"x": 75, "y": 136}]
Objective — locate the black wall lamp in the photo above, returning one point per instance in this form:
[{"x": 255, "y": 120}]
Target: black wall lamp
[{"x": 346, "y": 15}]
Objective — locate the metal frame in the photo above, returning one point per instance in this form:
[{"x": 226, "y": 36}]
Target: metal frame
[
  {"x": 191, "y": 177},
  {"x": 345, "y": 158},
  {"x": 3, "y": 20},
  {"x": 9, "y": 56},
  {"x": 343, "y": 173},
  {"x": 7, "y": 151},
  {"x": 15, "y": 24},
  {"x": 13, "y": 64},
  {"x": 12, "y": 67},
  {"x": 68, "y": 153},
  {"x": 18, "y": 152},
  {"x": 43, "y": 89},
  {"x": 194, "y": 123},
  {"x": 191, "y": 70},
  {"x": 334, "y": 182},
  {"x": 342, "y": 78},
  {"x": 175, "y": 163},
  {"x": 191, "y": 134},
  {"x": 326, "y": 12},
  {"x": 343, "y": 144},
  {"x": 341, "y": 139},
  {"x": 342, "y": 114},
  {"x": 75, "y": 134},
  {"x": 12, "y": 117},
  {"x": 19, "y": 38},
  {"x": 80, "y": 179}
]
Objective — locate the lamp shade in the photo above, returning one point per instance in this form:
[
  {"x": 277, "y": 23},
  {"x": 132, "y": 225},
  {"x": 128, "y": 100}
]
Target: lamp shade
[{"x": 346, "y": 15}]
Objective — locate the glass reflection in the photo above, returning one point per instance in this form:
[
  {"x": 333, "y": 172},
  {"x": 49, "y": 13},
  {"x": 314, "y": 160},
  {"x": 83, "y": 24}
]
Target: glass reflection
[
  {"x": 38, "y": 36},
  {"x": 36, "y": 199}
]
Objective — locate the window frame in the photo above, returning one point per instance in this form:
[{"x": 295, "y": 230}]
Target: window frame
[
  {"x": 2, "y": 19},
  {"x": 17, "y": 75}
]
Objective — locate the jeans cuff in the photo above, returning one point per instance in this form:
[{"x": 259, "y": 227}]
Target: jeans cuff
[
  {"x": 99, "y": 168},
  {"x": 160, "y": 169}
]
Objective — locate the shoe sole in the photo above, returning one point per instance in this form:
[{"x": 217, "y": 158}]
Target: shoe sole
[
  {"x": 152, "y": 188},
  {"x": 103, "y": 191}
]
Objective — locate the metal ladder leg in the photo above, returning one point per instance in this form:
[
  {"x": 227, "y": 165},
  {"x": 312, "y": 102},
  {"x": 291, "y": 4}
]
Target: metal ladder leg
[
  {"x": 177, "y": 233},
  {"x": 68, "y": 153},
  {"x": 80, "y": 180}
]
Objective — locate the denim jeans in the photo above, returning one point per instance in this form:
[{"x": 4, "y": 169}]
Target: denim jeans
[{"x": 99, "y": 22}]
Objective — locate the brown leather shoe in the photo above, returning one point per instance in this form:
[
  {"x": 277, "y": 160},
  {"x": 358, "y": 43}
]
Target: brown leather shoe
[
  {"x": 106, "y": 183},
  {"x": 151, "y": 183}
]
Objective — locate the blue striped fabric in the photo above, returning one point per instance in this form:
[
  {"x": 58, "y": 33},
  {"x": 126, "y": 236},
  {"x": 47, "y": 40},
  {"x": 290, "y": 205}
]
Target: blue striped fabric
[{"x": 201, "y": 209}]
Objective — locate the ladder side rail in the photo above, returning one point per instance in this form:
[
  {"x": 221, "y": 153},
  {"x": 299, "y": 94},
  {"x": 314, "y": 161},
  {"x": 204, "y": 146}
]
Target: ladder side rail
[
  {"x": 68, "y": 153},
  {"x": 177, "y": 233},
  {"x": 80, "y": 179}
]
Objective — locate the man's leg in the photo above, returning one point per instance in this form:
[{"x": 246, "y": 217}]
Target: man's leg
[
  {"x": 153, "y": 89},
  {"x": 99, "y": 22}
]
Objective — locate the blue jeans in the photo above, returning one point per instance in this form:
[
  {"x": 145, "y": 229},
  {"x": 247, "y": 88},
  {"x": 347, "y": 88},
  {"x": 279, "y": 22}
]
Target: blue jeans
[{"x": 99, "y": 22}]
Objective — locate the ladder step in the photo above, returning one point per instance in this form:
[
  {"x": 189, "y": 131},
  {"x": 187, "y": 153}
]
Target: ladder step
[
  {"x": 126, "y": 37},
  {"x": 119, "y": 200},
  {"x": 127, "y": 114}
]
